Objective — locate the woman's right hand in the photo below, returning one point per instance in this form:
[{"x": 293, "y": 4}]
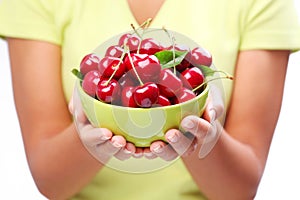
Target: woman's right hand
[{"x": 100, "y": 142}]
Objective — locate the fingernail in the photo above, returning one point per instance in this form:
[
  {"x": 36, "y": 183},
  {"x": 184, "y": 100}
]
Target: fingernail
[
  {"x": 157, "y": 149},
  {"x": 148, "y": 154},
  {"x": 137, "y": 155},
  {"x": 212, "y": 114},
  {"x": 126, "y": 151},
  {"x": 172, "y": 137},
  {"x": 188, "y": 124},
  {"x": 104, "y": 137},
  {"x": 116, "y": 144},
  {"x": 75, "y": 115}
]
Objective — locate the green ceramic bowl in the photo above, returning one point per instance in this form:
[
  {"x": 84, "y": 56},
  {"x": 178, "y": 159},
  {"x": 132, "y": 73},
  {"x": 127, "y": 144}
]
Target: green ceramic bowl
[{"x": 141, "y": 126}]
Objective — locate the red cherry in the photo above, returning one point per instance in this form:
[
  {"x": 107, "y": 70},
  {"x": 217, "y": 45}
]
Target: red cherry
[
  {"x": 146, "y": 95},
  {"x": 169, "y": 83},
  {"x": 184, "y": 95},
  {"x": 163, "y": 101},
  {"x": 201, "y": 56},
  {"x": 132, "y": 42},
  {"x": 185, "y": 63},
  {"x": 108, "y": 91},
  {"x": 108, "y": 65},
  {"x": 127, "y": 97},
  {"x": 90, "y": 82},
  {"x": 88, "y": 63},
  {"x": 149, "y": 46},
  {"x": 127, "y": 80},
  {"x": 194, "y": 76},
  {"x": 147, "y": 67},
  {"x": 114, "y": 51},
  {"x": 185, "y": 83},
  {"x": 134, "y": 57}
]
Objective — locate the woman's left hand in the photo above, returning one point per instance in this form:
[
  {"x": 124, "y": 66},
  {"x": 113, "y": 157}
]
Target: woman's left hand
[{"x": 199, "y": 133}]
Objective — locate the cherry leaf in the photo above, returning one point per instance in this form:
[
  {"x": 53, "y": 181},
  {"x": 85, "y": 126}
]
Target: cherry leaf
[
  {"x": 77, "y": 73},
  {"x": 207, "y": 71},
  {"x": 166, "y": 58}
]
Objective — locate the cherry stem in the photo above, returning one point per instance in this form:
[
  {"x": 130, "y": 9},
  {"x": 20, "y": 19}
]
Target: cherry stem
[
  {"x": 219, "y": 71},
  {"x": 140, "y": 42},
  {"x": 144, "y": 26},
  {"x": 135, "y": 31},
  {"x": 116, "y": 68},
  {"x": 172, "y": 38},
  {"x": 146, "y": 23},
  {"x": 212, "y": 79},
  {"x": 133, "y": 67}
]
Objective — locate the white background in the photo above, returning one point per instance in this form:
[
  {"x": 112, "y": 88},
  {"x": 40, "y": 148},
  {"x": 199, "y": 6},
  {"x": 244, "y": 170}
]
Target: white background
[{"x": 281, "y": 179}]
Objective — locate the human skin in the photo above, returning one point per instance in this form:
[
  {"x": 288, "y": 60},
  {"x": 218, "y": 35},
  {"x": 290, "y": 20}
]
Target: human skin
[
  {"x": 237, "y": 160},
  {"x": 239, "y": 157}
]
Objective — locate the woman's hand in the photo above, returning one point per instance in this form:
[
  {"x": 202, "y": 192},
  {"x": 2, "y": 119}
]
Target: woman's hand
[
  {"x": 202, "y": 132},
  {"x": 100, "y": 142}
]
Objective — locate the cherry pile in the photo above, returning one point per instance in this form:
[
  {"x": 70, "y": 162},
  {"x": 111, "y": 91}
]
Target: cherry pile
[{"x": 141, "y": 72}]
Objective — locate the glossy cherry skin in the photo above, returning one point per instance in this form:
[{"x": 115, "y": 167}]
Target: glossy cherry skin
[
  {"x": 163, "y": 101},
  {"x": 169, "y": 83},
  {"x": 108, "y": 91},
  {"x": 149, "y": 46},
  {"x": 108, "y": 65},
  {"x": 127, "y": 80},
  {"x": 127, "y": 97},
  {"x": 147, "y": 67},
  {"x": 184, "y": 95},
  {"x": 114, "y": 51},
  {"x": 201, "y": 56},
  {"x": 185, "y": 63},
  {"x": 90, "y": 82},
  {"x": 132, "y": 41},
  {"x": 146, "y": 95},
  {"x": 88, "y": 63},
  {"x": 194, "y": 76}
]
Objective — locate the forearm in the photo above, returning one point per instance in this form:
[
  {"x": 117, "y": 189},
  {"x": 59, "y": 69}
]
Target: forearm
[
  {"x": 235, "y": 166},
  {"x": 230, "y": 171},
  {"x": 61, "y": 165}
]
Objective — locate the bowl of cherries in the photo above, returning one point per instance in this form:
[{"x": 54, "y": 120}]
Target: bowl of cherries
[{"x": 141, "y": 83}]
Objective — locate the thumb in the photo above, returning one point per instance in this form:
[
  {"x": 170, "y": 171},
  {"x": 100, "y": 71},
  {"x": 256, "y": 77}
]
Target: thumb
[
  {"x": 197, "y": 126},
  {"x": 76, "y": 108},
  {"x": 71, "y": 105},
  {"x": 215, "y": 104}
]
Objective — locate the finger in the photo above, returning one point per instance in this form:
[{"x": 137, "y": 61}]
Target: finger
[
  {"x": 215, "y": 105},
  {"x": 80, "y": 117},
  {"x": 110, "y": 147},
  {"x": 91, "y": 136},
  {"x": 76, "y": 109},
  {"x": 71, "y": 105},
  {"x": 138, "y": 152},
  {"x": 197, "y": 126},
  {"x": 210, "y": 140},
  {"x": 183, "y": 144},
  {"x": 148, "y": 153},
  {"x": 126, "y": 152},
  {"x": 163, "y": 150}
]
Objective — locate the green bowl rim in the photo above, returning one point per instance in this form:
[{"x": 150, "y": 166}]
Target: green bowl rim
[{"x": 204, "y": 92}]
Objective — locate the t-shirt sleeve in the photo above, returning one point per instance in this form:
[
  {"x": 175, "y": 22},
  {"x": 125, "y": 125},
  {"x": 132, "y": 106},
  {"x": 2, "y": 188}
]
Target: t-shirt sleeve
[
  {"x": 271, "y": 24},
  {"x": 29, "y": 19}
]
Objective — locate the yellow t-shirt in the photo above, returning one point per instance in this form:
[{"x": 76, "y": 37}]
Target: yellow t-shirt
[{"x": 222, "y": 27}]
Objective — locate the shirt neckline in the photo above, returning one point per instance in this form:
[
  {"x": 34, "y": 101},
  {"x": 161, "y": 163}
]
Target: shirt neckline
[{"x": 155, "y": 20}]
